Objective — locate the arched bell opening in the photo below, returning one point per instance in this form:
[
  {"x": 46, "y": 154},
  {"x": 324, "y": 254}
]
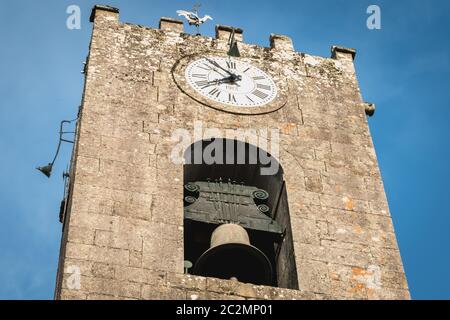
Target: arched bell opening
[{"x": 236, "y": 214}]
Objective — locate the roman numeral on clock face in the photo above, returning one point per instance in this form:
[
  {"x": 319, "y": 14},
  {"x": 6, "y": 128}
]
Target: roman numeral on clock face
[
  {"x": 205, "y": 67},
  {"x": 263, "y": 87},
  {"x": 260, "y": 94},
  {"x": 202, "y": 83},
  {"x": 231, "y": 65},
  {"x": 215, "y": 92},
  {"x": 199, "y": 76},
  {"x": 258, "y": 78},
  {"x": 231, "y": 97}
]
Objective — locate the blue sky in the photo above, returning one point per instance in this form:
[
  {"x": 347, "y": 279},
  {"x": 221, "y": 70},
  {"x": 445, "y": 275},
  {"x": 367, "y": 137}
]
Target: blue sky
[{"x": 404, "y": 68}]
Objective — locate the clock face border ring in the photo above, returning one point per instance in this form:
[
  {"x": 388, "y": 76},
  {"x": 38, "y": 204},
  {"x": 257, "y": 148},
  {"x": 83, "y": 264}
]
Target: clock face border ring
[{"x": 178, "y": 74}]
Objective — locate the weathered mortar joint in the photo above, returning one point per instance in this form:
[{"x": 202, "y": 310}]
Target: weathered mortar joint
[
  {"x": 370, "y": 108},
  {"x": 171, "y": 24},
  {"x": 342, "y": 53},
  {"x": 106, "y": 13},
  {"x": 281, "y": 42},
  {"x": 224, "y": 33}
]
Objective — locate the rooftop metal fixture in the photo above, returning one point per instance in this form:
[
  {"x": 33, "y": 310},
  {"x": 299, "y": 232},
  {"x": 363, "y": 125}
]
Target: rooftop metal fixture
[
  {"x": 193, "y": 18},
  {"x": 234, "y": 50},
  {"x": 47, "y": 170}
]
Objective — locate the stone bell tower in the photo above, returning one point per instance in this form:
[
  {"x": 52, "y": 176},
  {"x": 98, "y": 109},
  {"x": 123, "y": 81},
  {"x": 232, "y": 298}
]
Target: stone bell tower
[{"x": 141, "y": 224}]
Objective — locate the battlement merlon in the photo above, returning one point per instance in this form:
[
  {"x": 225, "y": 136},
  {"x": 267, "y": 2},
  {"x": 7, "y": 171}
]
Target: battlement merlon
[
  {"x": 342, "y": 53},
  {"x": 224, "y": 33},
  {"x": 281, "y": 42},
  {"x": 108, "y": 14},
  {"x": 104, "y": 13},
  {"x": 171, "y": 24}
]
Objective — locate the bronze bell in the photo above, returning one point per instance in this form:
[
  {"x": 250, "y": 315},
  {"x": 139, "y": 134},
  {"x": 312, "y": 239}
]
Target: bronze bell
[{"x": 231, "y": 256}]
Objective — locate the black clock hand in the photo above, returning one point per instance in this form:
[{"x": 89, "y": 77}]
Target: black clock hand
[
  {"x": 219, "y": 81},
  {"x": 214, "y": 83},
  {"x": 214, "y": 63},
  {"x": 221, "y": 74},
  {"x": 233, "y": 76},
  {"x": 229, "y": 80}
]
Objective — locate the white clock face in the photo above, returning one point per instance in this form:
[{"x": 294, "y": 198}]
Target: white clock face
[{"x": 231, "y": 82}]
